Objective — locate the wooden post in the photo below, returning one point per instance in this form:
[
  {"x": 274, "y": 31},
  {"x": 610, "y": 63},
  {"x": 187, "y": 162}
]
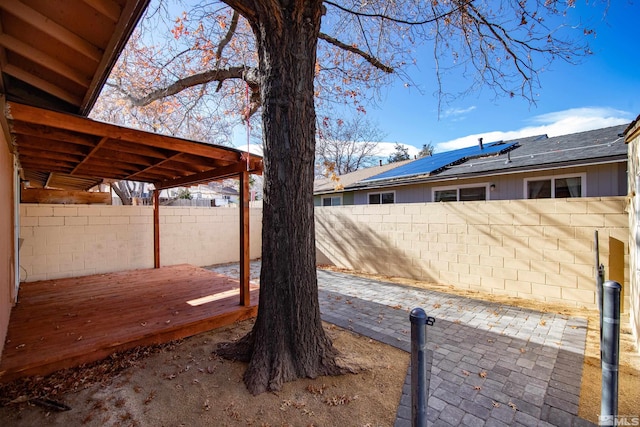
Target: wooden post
[
  {"x": 245, "y": 297},
  {"x": 156, "y": 228},
  {"x": 616, "y": 266}
]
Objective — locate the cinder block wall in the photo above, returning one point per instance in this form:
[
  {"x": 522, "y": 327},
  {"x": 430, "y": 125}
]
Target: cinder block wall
[
  {"x": 540, "y": 249},
  {"x": 78, "y": 240}
]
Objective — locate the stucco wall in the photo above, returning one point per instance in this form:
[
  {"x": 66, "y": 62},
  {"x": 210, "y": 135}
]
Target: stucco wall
[
  {"x": 6, "y": 231},
  {"x": 540, "y": 249},
  {"x": 77, "y": 240},
  {"x": 633, "y": 139}
]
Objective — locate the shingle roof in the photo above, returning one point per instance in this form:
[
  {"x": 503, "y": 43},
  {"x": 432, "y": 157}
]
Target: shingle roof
[
  {"x": 530, "y": 153},
  {"x": 327, "y": 185},
  {"x": 600, "y": 145},
  {"x": 430, "y": 165}
]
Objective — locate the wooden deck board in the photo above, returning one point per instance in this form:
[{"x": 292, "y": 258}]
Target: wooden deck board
[{"x": 66, "y": 322}]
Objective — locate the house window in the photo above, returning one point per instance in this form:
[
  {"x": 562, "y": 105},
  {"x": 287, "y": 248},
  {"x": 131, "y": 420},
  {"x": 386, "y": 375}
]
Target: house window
[
  {"x": 555, "y": 187},
  {"x": 332, "y": 201},
  {"x": 460, "y": 194},
  {"x": 382, "y": 198}
]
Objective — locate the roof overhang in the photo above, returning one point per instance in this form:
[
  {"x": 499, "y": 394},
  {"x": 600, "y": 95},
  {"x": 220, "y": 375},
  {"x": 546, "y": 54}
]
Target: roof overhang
[
  {"x": 59, "y": 150},
  {"x": 58, "y": 54}
]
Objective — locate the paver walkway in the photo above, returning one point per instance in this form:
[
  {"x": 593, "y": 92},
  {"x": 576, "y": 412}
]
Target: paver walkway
[{"x": 492, "y": 364}]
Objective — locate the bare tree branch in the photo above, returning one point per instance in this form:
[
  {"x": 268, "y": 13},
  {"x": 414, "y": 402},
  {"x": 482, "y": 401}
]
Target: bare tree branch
[
  {"x": 249, "y": 75},
  {"x": 398, "y": 20},
  {"x": 367, "y": 57},
  {"x": 227, "y": 38}
]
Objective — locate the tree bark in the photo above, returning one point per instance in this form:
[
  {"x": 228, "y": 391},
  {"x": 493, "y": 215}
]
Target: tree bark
[{"x": 287, "y": 341}]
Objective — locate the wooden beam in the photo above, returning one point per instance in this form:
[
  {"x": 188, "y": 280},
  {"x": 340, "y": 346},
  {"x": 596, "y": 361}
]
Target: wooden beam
[
  {"x": 51, "y": 28},
  {"x": 89, "y": 154},
  {"x": 208, "y": 176},
  {"x": 51, "y": 135},
  {"x": 42, "y": 84},
  {"x": 48, "y": 155},
  {"x": 126, "y": 21},
  {"x": 245, "y": 255},
  {"x": 41, "y": 58},
  {"x": 43, "y": 195},
  {"x": 70, "y": 122},
  {"x": 155, "y": 165},
  {"x": 106, "y": 7},
  {"x": 156, "y": 228}
]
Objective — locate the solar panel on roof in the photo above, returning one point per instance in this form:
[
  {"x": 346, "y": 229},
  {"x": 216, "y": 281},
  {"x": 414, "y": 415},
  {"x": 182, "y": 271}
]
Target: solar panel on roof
[{"x": 437, "y": 162}]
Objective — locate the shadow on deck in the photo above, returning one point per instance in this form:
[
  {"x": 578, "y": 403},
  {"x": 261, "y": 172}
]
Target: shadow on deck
[{"x": 63, "y": 323}]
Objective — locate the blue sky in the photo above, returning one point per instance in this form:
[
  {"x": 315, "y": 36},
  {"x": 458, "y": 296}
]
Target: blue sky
[{"x": 603, "y": 90}]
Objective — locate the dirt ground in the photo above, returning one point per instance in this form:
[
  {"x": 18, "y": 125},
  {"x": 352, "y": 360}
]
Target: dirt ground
[{"x": 184, "y": 384}]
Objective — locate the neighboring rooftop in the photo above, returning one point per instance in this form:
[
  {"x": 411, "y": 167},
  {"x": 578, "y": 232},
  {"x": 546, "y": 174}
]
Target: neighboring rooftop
[
  {"x": 430, "y": 165},
  {"x": 538, "y": 152},
  {"x": 327, "y": 185}
]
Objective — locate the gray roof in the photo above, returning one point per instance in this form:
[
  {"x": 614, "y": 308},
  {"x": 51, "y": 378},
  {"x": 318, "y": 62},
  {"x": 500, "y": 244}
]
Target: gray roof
[
  {"x": 327, "y": 185},
  {"x": 532, "y": 153}
]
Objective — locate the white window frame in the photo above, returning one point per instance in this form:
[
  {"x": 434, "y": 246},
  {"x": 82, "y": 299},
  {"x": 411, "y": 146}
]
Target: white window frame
[
  {"x": 381, "y": 193},
  {"x": 486, "y": 186},
  {"x": 323, "y": 198},
  {"x": 581, "y": 175}
]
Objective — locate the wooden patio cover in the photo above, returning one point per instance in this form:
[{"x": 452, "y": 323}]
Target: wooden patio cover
[{"x": 79, "y": 153}]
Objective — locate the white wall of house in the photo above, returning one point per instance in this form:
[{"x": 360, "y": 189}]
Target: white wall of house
[
  {"x": 538, "y": 249},
  {"x": 78, "y": 240},
  {"x": 633, "y": 140}
]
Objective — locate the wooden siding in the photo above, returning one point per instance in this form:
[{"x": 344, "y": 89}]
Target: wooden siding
[{"x": 66, "y": 322}]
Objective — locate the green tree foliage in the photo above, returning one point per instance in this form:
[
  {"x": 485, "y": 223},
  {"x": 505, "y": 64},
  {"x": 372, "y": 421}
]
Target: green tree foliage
[{"x": 401, "y": 153}]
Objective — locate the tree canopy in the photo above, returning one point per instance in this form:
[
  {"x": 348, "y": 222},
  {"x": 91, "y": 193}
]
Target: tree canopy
[
  {"x": 401, "y": 153},
  {"x": 191, "y": 68}
]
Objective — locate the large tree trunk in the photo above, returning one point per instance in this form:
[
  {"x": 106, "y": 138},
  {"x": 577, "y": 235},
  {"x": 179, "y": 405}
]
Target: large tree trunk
[{"x": 287, "y": 341}]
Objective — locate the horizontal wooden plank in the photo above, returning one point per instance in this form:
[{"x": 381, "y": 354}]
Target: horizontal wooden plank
[{"x": 41, "y": 195}]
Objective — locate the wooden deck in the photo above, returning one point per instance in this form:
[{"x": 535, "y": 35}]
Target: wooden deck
[{"x": 66, "y": 322}]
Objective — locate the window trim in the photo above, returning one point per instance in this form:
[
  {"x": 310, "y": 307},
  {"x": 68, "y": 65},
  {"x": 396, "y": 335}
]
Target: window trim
[
  {"x": 381, "y": 193},
  {"x": 581, "y": 175},
  {"x": 322, "y": 199},
  {"x": 486, "y": 186}
]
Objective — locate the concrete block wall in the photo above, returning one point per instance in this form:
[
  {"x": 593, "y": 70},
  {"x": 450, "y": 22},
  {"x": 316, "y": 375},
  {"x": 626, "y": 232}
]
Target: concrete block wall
[
  {"x": 78, "y": 240},
  {"x": 540, "y": 249}
]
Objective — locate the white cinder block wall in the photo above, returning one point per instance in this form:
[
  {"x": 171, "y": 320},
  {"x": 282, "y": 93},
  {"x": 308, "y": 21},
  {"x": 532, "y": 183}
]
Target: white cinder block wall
[
  {"x": 77, "y": 240},
  {"x": 540, "y": 249}
]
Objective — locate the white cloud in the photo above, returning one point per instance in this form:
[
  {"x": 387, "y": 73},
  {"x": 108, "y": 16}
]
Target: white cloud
[
  {"x": 552, "y": 124},
  {"x": 385, "y": 149},
  {"x": 454, "y": 112}
]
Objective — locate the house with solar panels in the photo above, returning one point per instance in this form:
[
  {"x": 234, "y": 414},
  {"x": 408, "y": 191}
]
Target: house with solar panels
[{"x": 585, "y": 164}]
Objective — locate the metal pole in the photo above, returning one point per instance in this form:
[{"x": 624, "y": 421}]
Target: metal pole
[
  {"x": 599, "y": 292},
  {"x": 419, "y": 377},
  {"x": 610, "y": 351}
]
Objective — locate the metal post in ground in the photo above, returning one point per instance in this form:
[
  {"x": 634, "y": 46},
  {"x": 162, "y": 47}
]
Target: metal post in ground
[
  {"x": 419, "y": 374},
  {"x": 610, "y": 351}
]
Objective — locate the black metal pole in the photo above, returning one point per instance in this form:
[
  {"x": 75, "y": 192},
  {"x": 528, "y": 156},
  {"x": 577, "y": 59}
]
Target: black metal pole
[
  {"x": 419, "y": 377},
  {"x": 610, "y": 352}
]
